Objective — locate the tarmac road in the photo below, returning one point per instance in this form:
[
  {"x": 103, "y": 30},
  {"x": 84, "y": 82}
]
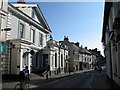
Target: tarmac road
[{"x": 90, "y": 80}]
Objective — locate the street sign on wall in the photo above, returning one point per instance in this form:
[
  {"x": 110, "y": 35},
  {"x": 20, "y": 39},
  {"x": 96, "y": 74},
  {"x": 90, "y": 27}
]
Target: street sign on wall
[{"x": 3, "y": 48}]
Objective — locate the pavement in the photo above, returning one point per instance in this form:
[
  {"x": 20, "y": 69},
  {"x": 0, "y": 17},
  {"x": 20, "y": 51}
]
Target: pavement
[{"x": 35, "y": 80}]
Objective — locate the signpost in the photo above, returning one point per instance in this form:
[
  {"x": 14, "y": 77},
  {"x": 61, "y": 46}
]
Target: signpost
[{"x": 3, "y": 48}]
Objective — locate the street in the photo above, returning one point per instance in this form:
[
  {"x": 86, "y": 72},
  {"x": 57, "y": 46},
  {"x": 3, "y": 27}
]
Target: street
[{"x": 91, "y": 79}]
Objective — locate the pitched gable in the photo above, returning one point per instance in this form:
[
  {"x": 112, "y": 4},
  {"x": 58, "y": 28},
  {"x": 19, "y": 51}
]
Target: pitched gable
[
  {"x": 39, "y": 17},
  {"x": 33, "y": 11}
]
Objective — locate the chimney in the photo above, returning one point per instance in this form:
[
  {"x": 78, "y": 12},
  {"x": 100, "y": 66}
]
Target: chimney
[
  {"x": 86, "y": 48},
  {"x": 51, "y": 38},
  {"x": 77, "y": 44},
  {"x": 21, "y": 1},
  {"x": 95, "y": 49},
  {"x": 66, "y": 38}
]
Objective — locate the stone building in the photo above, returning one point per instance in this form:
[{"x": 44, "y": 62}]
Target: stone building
[{"x": 80, "y": 58}]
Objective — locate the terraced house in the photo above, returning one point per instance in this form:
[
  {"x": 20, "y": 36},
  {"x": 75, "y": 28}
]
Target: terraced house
[{"x": 79, "y": 57}]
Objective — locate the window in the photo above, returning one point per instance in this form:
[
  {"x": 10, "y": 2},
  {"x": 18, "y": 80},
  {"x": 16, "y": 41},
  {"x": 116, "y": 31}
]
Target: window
[
  {"x": 21, "y": 30},
  {"x": 52, "y": 60},
  {"x": 66, "y": 56},
  {"x": 55, "y": 59},
  {"x": 85, "y": 59},
  {"x": 40, "y": 39},
  {"x": 90, "y": 59},
  {"x": 33, "y": 36},
  {"x": 25, "y": 60},
  {"x": 33, "y": 14},
  {"x": 1, "y": 4},
  {"x": 37, "y": 59},
  {"x": 61, "y": 60}
]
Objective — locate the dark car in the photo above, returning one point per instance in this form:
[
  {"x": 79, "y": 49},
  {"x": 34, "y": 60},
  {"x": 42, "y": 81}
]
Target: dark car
[{"x": 98, "y": 68}]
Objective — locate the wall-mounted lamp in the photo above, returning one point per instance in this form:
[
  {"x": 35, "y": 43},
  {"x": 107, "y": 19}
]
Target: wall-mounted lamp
[{"x": 6, "y": 29}]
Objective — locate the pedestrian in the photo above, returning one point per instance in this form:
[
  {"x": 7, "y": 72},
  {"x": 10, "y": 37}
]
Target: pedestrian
[
  {"x": 47, "y": 75},
  {"x": 69, "y": 70}
]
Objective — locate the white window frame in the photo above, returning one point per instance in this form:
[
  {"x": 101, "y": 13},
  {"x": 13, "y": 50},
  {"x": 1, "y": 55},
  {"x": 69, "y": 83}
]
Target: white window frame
[
  {"x": 40, "y": 39},
  {"x": 1, "y": 4},
  {"x": 33, "y": 35},
  {"x": 21, "y": 30}
]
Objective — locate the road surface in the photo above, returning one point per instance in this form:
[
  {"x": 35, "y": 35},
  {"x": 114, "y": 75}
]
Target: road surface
[{"x": 91, "y": 79}]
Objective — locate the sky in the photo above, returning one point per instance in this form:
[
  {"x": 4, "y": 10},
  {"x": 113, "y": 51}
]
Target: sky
[{"x": 80, "y": 21}]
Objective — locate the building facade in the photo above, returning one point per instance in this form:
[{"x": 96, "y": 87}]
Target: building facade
[
  {"x": 86, "y": 58},
  {"x": 111, "y": 39},
  {"x": 27, "y": 37},
  {"x": 73, "y": 54},
  {"x": 3, "y": 19},
  {"x": 56, "y": 55},
  {"x": 80, "y": 58}
]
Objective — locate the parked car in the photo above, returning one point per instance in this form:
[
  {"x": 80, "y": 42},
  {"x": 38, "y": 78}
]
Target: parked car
[{"x": 98, "y": 68}]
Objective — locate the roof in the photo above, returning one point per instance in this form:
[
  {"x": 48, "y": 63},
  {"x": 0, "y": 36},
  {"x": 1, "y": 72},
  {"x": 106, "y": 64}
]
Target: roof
[{"x": 83, "y": 50}]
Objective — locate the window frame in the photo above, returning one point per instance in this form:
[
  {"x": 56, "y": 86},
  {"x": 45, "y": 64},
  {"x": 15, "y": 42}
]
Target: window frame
[
  {"x": 1, "y": 4},
  {"x": 19, "y": 30},
  {"x": 40, "y": 39},
  {"x": 32, "y": 35}
]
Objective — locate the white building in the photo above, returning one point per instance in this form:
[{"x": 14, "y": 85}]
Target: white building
[
  {"x": 3, "y": 18},
  {"x": 86, "y": 58},
  {"x": 28, "y": 33},
  {"x": 56, "y": 56}
]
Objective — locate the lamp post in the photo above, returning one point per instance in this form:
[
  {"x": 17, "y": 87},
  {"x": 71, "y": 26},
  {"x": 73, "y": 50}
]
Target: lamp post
[{"x": 60, "y": 45}]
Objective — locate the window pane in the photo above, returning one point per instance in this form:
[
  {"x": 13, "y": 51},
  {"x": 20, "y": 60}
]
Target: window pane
[
  {"x": 40, "y": 39},
  {"x": 55, "y": 59},
  {"x": 1, "y": 4},
  {"x": 21, "y": 28},
  {"x": 33, "y": 35},
  {"x": 33, "y": 14},
  {"x": 61, "y": 60}
]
